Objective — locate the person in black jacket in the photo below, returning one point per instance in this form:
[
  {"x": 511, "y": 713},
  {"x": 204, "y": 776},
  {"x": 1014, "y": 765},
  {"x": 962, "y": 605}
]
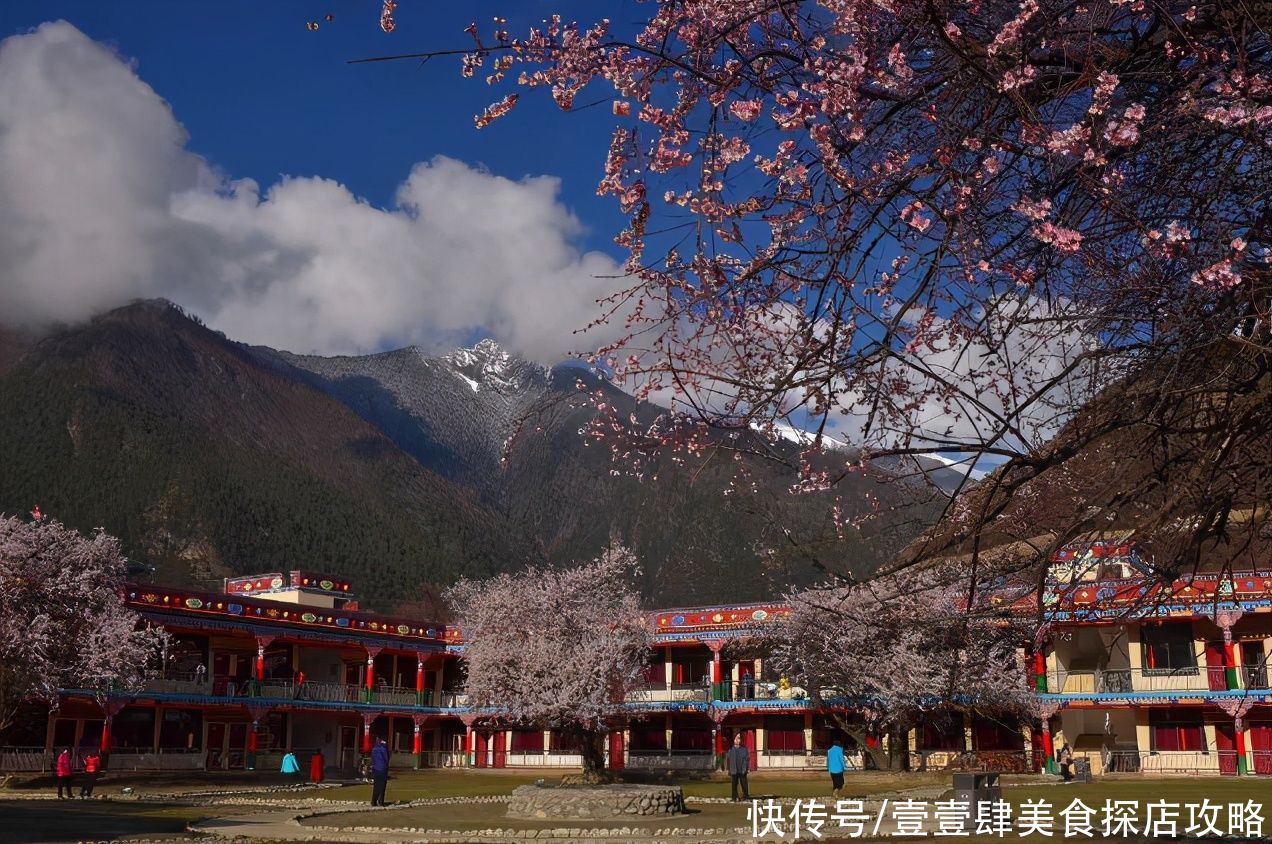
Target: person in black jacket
[{"x": 738, "y": 763}]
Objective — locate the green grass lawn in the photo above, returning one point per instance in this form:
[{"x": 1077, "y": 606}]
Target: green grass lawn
[{"x": 1181, "y": 790}]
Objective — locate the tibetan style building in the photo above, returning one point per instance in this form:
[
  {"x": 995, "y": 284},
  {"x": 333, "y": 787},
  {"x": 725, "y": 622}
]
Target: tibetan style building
[{"x": 1136, "y": 676}]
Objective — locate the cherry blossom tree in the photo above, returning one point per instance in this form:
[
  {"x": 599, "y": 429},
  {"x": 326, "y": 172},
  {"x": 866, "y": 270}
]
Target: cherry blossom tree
[
  {"x": 555, "y": 648},
  {"x": 933, "y": 226},
  {"x": 896, "y": 654},
  {"x": 63, "y": 622}
]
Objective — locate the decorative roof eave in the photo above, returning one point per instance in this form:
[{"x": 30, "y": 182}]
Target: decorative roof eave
[
  {"x": 1203, "y": 609},
  {"x": 707, "y": 634},
  {"x": 353, "y": 639},
  {"x": 1172, "y": 697},
  {"x": 718, "y": 620},
  {"x": 204, "y": 604}
]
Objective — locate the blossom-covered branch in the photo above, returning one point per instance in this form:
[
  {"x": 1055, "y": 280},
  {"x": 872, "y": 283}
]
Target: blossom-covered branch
[{"x": 63, "y": 623}]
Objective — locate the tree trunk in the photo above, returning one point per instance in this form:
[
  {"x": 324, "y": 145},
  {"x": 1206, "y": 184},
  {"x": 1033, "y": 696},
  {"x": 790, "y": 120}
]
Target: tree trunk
[
  {"x": 592, "y": 751},
  {"x": 878, "y": 758}
]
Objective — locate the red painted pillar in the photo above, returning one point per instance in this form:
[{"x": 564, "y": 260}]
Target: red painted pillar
[
  {"x": 366, "y": 736},
  {"x": 105, "y": 748},
  {"x": 1048, "y": 749},
  {"x": 260, "y": 661},
  {"x": 1241, "y": 747},
  {"x": 748, "y": 740},
  {"x": 419, "y": 676},
  {"x": 1040, "y": 670},
  {"x": 370, "y": 676},
  {"x": 417, "y": 743}
]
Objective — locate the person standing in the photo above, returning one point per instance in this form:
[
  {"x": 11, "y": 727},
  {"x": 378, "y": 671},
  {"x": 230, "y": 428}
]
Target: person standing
[
  {"x": 835, "y": 767},
  {"x": 290, "y": 766},
  {"x": 1066, "y": 764},
  {"x": 379, "y": 771},
  {"x": 738, "y": 764},
  {"x": 62, "y": 769},
  {"x": 92, "y": 765}
]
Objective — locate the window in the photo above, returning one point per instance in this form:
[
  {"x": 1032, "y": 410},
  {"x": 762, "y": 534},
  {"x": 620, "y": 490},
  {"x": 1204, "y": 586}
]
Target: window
[
  {"x": 691, "y": 671},
  {"x": 1168, "y": 647},
  {"x": 784, "y": 734},
  {"x": 647, "y": 737},
  {"x": 690, "y": 735},
  {"x": 946, "y": 734},
  {"x": 134, "y": 728},
  {"x": 527, "y": 741},
  {"x": 181, "y": 729},
  {"x": 564, "y": 745},
  {"x": 988, "y": 734},
  {"x": 1176, "y": 730},
  {"x": 825, "y": 731}
]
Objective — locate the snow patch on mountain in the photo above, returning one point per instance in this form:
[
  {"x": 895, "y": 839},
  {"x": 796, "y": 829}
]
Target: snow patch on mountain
[{"x": 488, "y": 364}]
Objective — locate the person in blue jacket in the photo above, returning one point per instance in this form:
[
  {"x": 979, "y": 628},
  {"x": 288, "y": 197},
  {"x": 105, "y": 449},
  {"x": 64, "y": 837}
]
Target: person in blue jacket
[
  {"x": 290, "y": 766},
  {"x": 379, "y": 771},
  {"x": 835, "y": 767}
]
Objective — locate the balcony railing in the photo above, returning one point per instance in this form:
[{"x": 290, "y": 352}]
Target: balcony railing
[
  {"x": 1254, "y": 676},
  {"x": 1123, "y": 680},
  {"x": 289, "y": 690},
  {"x": 670, "y": 692},
  {"x": 671, "y": 760},
  {"x": 1164, "y": 761},
  {"x": 1011, "y": 761}
]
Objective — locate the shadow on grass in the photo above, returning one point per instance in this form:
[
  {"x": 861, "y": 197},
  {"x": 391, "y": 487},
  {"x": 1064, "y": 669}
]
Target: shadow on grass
[{"x": 29, "y": 821}]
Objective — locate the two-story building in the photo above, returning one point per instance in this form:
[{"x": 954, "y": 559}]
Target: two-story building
[{"x": 1134, "y": 674}]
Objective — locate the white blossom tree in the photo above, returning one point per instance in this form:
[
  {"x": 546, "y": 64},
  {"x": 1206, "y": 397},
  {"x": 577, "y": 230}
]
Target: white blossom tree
[
  {"x": 898, "y": 651},
  {"x": 63, "y": 621},
  {"x": 555, "y": 648}
]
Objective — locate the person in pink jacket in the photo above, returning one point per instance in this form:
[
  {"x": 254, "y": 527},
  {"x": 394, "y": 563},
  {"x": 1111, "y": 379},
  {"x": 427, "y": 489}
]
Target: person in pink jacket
[{"x": 63, "y": 770}]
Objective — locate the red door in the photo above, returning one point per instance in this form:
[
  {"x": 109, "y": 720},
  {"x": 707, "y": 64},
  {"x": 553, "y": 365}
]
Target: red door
[
  {"x": 1216, "y": 667},
  {"x": 1226, "y": 744},
  {"x": 501, "y": 758},
  {"x": 479, "y": 745},
  {"x": 616, "y": 750},
  {"x": 236, "y": 753},
  {"x": 220, "y": 673},
  {"x": 1261, "y": 744}
]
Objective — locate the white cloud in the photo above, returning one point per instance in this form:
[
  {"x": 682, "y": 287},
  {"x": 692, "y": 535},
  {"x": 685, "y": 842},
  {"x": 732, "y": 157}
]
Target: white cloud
[
  {"x": 101, "y": 203},
  {"x": 1012, "y": 384}
]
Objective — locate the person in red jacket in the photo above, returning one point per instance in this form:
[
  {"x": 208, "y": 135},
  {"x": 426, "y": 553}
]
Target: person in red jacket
[
  {"x": 92, "y": 764},
  {"x": 62, "y": 770}
]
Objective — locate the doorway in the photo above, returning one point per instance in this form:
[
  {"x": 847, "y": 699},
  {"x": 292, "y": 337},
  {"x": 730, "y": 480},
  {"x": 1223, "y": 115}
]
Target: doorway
[{"x": 227, "y": 746}]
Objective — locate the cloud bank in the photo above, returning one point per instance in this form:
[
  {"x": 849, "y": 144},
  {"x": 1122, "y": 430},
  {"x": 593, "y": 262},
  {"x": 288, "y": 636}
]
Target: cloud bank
[{"x": 101, "y": 203}]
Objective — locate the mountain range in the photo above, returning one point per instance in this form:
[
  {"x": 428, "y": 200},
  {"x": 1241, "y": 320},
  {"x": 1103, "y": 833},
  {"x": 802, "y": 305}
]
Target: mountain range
[{"x": 211, "y": 458}]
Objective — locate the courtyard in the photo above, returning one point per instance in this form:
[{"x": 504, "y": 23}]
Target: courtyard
[{"x": 455, "y": 806}]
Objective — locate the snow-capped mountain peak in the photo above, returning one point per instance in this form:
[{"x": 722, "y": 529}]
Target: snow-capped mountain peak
[{"x": 489, "y": 364}]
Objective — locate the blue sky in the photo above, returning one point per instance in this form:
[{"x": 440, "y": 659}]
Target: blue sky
[
  {"x": 224, "y": 156},
  {"x": 261, "y": 96}
]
